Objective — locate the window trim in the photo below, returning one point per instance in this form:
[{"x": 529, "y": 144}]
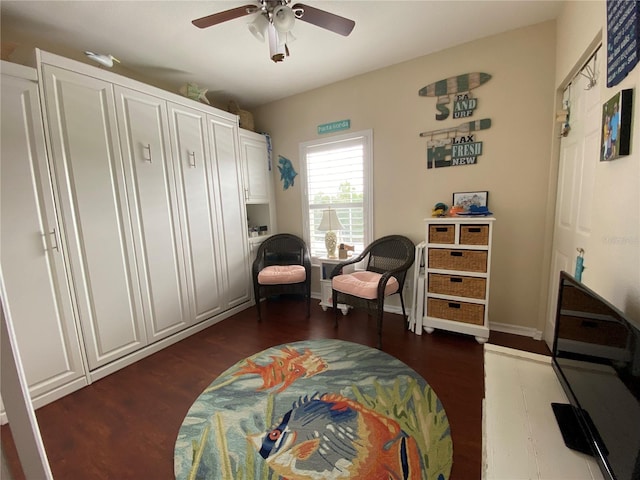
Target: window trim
[{"x": 367, "y": 142}]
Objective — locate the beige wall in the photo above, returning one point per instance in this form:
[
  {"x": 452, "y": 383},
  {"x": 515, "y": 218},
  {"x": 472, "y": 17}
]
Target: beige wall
[
  {"x": 514, "y": 168},
  {"x": 613, "y": 259}
]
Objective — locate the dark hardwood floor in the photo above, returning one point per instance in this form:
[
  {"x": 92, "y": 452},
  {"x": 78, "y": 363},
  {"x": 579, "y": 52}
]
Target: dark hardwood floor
[{"x": 125, "y": 425}]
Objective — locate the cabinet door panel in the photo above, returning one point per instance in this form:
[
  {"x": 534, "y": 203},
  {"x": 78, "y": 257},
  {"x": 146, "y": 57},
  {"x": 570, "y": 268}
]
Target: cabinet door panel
[
  {"x": 254, "y": 155},
  {"x": 191, "y": 154},
  {"x": 90, "y": 180},
  {"x": 144, "y": 136},
  {"x": 32, "y": 265},
  {"x": 234, "y": 226}
]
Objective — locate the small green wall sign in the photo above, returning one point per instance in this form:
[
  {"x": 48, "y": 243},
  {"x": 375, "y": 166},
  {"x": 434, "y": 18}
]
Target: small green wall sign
[{"x": 334, "y": 126}]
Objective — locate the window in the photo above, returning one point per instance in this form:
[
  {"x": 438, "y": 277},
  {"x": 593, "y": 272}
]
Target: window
[{"x": 336, "y": 173}]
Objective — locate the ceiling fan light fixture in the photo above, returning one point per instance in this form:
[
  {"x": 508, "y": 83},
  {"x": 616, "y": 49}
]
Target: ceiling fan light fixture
[
  {"x": 277, "y": 50},
  {"x": 285, "y": 38},
  {"x": 258, "y": 26},
  {"x": 283, "y": 18}
]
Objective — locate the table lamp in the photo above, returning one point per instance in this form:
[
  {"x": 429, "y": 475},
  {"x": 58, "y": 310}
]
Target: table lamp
[{"x": 329, "y": 223}]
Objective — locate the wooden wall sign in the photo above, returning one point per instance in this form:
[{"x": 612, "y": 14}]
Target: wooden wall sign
[
  {"x": 460, "y": 87},
  {"x": 455, "y": 146}
]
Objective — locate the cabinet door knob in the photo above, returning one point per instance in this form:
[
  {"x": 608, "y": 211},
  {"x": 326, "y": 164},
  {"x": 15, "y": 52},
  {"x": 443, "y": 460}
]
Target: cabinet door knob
[{"x": 192, "y": 159}]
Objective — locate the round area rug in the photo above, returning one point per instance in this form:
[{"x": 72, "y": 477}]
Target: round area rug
[{"x": 317, "y": 409}]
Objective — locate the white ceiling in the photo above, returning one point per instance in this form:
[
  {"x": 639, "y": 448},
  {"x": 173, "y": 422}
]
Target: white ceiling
[{"x": 156, "y": 40}]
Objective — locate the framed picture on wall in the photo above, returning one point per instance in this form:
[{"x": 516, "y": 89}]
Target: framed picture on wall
[
  {"x": 616, "y": 126},
  {"x": 466, "y": 199}
]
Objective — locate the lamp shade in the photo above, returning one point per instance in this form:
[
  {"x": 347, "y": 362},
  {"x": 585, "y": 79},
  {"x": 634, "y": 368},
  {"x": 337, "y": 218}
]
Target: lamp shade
[
  {"x": 330, "y": 221},
  {"x": 283, "y": 18},
  {"x": 259, "y": 26}
]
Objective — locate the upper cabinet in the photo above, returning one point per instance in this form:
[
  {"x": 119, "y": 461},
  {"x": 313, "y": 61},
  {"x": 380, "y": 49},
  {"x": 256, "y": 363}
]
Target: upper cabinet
[
  {"x": 258, "y": 186},
  {"x": 38, "y": 299},
  {"x": 254, "y": 155}
]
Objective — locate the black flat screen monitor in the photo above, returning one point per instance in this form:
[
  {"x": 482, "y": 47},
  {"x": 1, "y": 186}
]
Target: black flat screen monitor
[{"x": 596, "y": 356}]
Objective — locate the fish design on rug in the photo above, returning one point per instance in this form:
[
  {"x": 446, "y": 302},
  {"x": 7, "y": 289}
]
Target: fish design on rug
[
  {"x": 285, "y": 368},
  {"x": 333, "y": 437}
]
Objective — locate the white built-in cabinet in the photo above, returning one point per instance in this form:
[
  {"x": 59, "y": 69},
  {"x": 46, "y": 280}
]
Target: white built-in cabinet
[
  {"x": 143, "y": 124},
  {"x": 235, "y": 260},
  {"x": 255, "y": 165},
  {"x": 152, "y": 199},
  {"x": 259, "y": 195},
  {"x": 196, "y": 174},
  {"x": 128, "y": 232},
  {"x": 38, "y": 298},
  {"x": 94, "y": 207}
]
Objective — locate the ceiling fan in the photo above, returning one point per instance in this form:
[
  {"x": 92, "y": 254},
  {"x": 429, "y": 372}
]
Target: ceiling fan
[{"x": 275, "y": 19}]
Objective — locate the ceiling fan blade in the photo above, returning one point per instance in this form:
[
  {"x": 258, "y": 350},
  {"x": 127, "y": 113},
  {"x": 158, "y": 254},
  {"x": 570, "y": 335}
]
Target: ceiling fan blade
[
  {"x": 330, "y": 21},
  {"x": 220, "y": 17}
]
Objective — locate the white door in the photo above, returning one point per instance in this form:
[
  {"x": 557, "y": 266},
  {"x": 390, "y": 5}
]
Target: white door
[
  {"x": 253, "y": 151},
  {"x": 88, "y": 170},
  {"x": 144, "y": 136},
  {"x": 194, "y": 171},
  {"x": 235, "y": 273},
  {"x": 579, "y": 156},
  {"x": 31, "y": 261}
]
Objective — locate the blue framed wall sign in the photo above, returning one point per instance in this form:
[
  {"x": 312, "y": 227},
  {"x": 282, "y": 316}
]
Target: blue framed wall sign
[{"x": 623, "y": 42}]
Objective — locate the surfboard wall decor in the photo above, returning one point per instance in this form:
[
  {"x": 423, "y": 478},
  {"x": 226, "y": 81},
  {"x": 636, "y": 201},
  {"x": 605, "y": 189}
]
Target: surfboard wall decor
[
  {"x": 461, "y": 87},
  {"x": 457, "y": 145}
]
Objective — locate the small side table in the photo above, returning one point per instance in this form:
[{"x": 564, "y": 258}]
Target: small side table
[{"x": 326, "y": 292}]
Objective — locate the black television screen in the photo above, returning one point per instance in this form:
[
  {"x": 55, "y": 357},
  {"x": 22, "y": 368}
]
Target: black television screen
[{"x": 596, "y": 356}]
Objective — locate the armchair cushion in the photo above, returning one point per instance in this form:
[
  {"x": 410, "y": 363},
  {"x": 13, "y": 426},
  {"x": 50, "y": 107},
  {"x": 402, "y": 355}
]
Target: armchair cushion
[
  {"x": 282, "y": 274},
  {"x": 363, "y": 284}
]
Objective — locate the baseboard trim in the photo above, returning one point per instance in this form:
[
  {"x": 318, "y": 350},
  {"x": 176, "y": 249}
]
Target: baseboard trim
[
  {"x": 132, "y": 358},
  {"x": 516, "y": 330},
  {"x": 498, "y": 327}
]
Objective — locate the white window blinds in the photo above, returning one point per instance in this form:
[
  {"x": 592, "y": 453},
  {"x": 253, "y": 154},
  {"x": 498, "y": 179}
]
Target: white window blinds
[{"x": 336, "y": 174}]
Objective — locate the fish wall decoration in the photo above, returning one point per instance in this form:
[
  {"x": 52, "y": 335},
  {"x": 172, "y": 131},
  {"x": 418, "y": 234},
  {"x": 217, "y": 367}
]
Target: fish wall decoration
[{"x": 287, "y": 172}]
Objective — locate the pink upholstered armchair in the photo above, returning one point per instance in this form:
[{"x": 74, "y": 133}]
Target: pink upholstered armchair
[
  {"x": 282, "y": 266},
  {"x": 387, "y": 261}
]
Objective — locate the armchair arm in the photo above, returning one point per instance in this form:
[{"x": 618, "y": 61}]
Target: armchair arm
[
  {"x": 337, "y": 270},
  {"x": 382, "y": 284}
]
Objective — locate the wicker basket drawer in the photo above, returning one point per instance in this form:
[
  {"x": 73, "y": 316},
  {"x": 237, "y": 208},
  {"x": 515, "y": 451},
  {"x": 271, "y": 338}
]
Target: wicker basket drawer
[
  {"x": 456, "y": 311},
  {"x": 460, "y": 286},
  {"x": 474, "y": 234},
  {"x": 442, "y": 234},
  {"x": 462, "y": 260}
]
